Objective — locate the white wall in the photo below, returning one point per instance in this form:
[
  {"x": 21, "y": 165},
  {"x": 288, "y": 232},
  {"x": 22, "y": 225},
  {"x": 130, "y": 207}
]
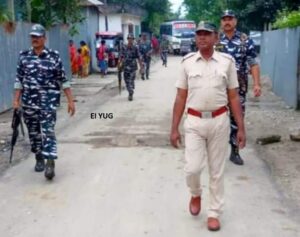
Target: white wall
[
  {"x": 120, "y": 23},
  {"x": 114, "y": 23},
  {"x": 130, "y": 19}
]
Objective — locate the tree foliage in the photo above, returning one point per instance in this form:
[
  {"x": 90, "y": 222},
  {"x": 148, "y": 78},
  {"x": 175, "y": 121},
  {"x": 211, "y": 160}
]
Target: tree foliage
[
  {"x": 287, "y": 19},
  {"x": 158, "y": 12},
  {"x": 51, "y": 12},
  {"x": 5, "y": 15},
  {"x": 199, "y": 10},
  {"x": 251, "y": 14}
]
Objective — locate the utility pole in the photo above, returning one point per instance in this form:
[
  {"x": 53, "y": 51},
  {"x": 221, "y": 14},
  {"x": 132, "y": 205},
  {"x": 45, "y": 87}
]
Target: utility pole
[{"x": 106, "y": 20}]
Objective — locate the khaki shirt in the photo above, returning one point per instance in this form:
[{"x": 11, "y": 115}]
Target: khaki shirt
[{"x": 207, "y": 81}]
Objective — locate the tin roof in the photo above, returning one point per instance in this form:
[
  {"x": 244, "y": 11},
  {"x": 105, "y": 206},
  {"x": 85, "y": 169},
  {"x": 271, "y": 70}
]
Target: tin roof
[{"x": 91, "y": 3}]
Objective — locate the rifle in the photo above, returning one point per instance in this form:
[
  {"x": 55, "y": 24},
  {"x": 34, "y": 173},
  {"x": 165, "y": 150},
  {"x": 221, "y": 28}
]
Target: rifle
[
  {"x": 16, "y": 121},
  {"x": 120, "y": 70}
]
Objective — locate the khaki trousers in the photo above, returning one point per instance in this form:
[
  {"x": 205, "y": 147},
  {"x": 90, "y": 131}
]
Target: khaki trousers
[{"x": 207, "y": 140}]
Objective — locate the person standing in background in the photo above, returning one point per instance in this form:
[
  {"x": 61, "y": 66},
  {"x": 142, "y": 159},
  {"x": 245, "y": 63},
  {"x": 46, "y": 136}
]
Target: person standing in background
[
  {"x": 86, "y": 58},
  {"x": 79, "y": 63},
  {"x": 72, "y": 52},
  {"x": 101, "y": 55}
]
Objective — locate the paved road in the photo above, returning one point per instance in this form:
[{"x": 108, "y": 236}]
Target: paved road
[{"x": 119, "y": 177}]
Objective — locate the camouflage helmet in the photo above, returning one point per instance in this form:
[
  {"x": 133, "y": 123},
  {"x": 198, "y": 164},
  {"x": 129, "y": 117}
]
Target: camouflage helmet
[
  {"x": 228, "y": 12},
  {"x": 37, "y": 30},
  {"x": 206, "y": 26}
]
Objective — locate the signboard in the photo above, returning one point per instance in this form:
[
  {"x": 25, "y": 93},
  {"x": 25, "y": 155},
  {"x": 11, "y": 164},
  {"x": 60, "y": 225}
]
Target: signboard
[{"x": 184, "y": 25}]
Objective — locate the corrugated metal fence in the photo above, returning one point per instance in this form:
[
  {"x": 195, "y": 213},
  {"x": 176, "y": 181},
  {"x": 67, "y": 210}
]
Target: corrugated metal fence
[
  {"x": 280, "y": 60},
  {"x": 12, "y": 44}
]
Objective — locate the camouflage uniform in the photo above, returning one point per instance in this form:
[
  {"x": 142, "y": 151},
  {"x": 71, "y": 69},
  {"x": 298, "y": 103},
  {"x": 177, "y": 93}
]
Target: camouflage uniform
[
  {"x": 242, "y": 49},
  {"x": 164, "y": 48},
  {"x": 145, "y": 49},
  {"x": 129, "y": 56},
  {"x": 40, "y": 78}
]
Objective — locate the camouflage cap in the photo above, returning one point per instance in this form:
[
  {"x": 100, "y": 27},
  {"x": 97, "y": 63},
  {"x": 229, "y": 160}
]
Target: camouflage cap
[
  {"x": 228, "y": 13},
  {"x": 37, "y": 30},
  {"x": 130, "y": 36},
  {"x": 206, "y": 26}
]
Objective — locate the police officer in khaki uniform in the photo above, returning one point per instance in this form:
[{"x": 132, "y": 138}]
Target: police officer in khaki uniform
[{"x": 207, "y": 84}]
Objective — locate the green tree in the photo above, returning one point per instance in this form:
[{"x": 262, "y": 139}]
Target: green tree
[
  {"x": 51, "y": 12},
  {"x": 287, "y": 19},
  {"x": 204, "y": 10},
  {"x": 158, "y": 12},
  {"x": 251, "y": 14},
  {"x": 11, "y": 8},
  {"x": 5, "y": 14}
]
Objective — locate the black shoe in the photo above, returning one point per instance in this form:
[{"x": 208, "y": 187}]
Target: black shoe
[
  {"x": 50, "y": 169},
  {"x": 40, "y": 163},
  {"x": 143, "y": 77},
  {"x": 235, "y": 157},
  {"x": 130, "y": 97},
  {"x": 147, "y": 77}
]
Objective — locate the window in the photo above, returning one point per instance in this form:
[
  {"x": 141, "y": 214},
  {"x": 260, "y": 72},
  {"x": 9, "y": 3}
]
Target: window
[
  {"x": 166, "y": 30},
  {"x": 137, "y": 31},
  {"x": 130, "y": 28}
]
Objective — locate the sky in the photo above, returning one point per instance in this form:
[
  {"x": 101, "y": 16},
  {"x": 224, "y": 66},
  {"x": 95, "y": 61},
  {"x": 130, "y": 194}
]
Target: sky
[{"x": 176, "y": 4}]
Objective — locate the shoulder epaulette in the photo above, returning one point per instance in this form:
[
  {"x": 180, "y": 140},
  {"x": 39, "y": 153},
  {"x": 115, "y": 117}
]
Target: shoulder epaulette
[{"x": 188, "y": 56}]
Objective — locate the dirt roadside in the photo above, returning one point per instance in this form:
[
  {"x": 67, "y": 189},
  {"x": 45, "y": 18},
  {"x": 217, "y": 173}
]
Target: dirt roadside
[{"x": 269, "y": 115}]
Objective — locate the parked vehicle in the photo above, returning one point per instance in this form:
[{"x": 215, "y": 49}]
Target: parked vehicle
[
  {"x": 186, "y": 44},
  {"x": 185, "y": 47},
  {"x": 113, "y": 41},
  {"x": 177, "y": 31}
]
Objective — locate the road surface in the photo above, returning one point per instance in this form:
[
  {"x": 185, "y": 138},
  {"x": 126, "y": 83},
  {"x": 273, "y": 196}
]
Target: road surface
[{"x": 119, "y": 177}]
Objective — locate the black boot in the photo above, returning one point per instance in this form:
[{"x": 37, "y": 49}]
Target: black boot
[
  {"x": 143, "y": 76},
  {"x": 235, "y": 156},
  {"x": 50, "y": 169},
  {"x": 130, "y": 97},
  {"x": 40, "y": 163}
]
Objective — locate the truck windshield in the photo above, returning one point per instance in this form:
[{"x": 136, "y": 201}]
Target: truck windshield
[
  {"x": 184, "y": 30},
  {"x": 184, "y": 33}
]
